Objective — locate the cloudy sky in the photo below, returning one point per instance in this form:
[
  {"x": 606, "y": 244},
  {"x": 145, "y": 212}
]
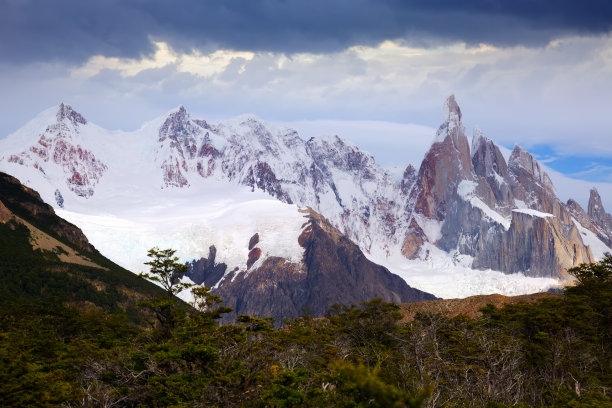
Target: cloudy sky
[{"x": 532, "y": 72}]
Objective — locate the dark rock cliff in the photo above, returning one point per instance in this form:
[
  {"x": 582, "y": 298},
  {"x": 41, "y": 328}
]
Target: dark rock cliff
[{"x": 333, "y": 270}]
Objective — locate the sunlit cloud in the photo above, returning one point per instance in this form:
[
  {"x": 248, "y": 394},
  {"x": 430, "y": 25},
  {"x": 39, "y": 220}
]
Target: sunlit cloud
[
  {"x": 128, "y": 67},
  {"x": 556, "y": 95},
  {"x": 211, "y": 64},
  {"x": 196, "y": 63}
]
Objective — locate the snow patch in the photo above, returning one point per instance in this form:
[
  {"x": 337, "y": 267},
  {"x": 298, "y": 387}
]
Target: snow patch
[
  {"x": 431, "y": 228},
  {"x": 449, "y": 276},
  {"x": 477, "y": 139},
  {"x": 466, "y": 190},
  {"x": 226, "y": 219},
  {"x": 598, "y": 248},
  {"x": 520, "y": 204},
  {"x": 533, "y": 213}
]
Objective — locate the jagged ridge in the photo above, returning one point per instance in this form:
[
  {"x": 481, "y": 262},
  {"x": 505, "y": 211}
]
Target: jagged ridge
[{"x": 462, "y": 200}]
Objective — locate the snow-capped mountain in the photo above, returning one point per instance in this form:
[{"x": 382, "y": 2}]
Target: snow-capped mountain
[
  {"x": 187, "y": 183},
  {"x": 58, "y": 152},
  {"x": 327, "y": 174},
  {"x": 504, "y": 216},
  {"x": 332, "y": 270}
]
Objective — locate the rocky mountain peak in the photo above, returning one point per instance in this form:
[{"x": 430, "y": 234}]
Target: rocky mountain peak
[
  {"x": 595, "y": 209},
  {"x": 333, "y": 269},
  {"x": 598, "y": 216},
  {"x": 451, "y": 110},
  {"x": 522, "y": 160},
  {"x": 178, "y": 124},
  {"x": 487, "y": 159},
  {"x": 452, "y": 127},
  {"x": 489, "y": 164},
  {"x": 477, "y": 139},
  {"x": 58, "y": 151},
  {"x": 445, "y": 165},
  {"x": 65, "y": 112},
  {"x": 332, "y": 150}
]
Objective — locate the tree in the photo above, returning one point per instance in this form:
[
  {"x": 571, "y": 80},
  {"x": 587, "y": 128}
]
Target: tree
[
  {"x": 206, "y": 303},
  {"x": 166, "y": 270},
  {"x": 597, "y": 273}
]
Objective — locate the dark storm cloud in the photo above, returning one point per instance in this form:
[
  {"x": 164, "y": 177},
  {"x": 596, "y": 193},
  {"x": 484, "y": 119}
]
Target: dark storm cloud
[{"x": 41, "y": 30}]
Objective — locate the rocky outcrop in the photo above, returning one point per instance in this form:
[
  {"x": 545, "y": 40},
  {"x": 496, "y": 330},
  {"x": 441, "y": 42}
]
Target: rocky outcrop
[
  {"x": 490, "y": 167},
  {"x": 534, "y": 244},
  {"x": 408, "y": 180},
  {"x": 598, "y": 214},
  {"x": 66, "y": 113},
  {"x": 206, "y": 271},
  {"x": 591, "y": 224},
  {"x": 532, "y": 187},
  {"x": 333, "y": 270},
  {"x": 253, "y": 241},
  {"x": 254, "y": 255},
  {"x": 262, "y": 177}
]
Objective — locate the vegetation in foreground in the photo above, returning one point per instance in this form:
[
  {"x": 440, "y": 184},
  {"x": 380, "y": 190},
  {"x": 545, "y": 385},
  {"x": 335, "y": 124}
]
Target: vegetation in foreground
[{"x": 555, "y": 352}]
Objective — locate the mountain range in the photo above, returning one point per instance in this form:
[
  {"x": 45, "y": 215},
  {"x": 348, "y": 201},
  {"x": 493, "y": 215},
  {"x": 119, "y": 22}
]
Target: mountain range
[{"x": 276, "y": 223}]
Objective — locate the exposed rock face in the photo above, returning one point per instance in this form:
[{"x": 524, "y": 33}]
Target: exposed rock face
[
  {"x": 598, "y": 214},
  {"x": 447, "y": 163},
  {"x": 206, "y": 271},
  {"x": 507, "y": 217},
  {"x": 58, "y": 144},
  {"x": 59, "y": 199},
  {"x": 253, "y": 241},
  {"x": 532, "y": 186},
  {"x": 415, "y": 238},
  {"x": 490, "y": 166},
  {"x": 334, "y": 270},
  {"x": 262, "y": 177},
  {"x": 535, "y": 243},
  {"x": 254, "y": 255},
  {"x": 528, "y": 171},
  {"x": 65, "y": 112},
  {"x": 578, "y": 214},
  {"x": 178, "y": 142},
  {"x": 408, "y": 180}
]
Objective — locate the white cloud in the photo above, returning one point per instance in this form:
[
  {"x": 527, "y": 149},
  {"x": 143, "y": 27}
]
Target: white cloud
[
  {"x": 215, "y": 63},
  {"x": 196, "y": 63}
]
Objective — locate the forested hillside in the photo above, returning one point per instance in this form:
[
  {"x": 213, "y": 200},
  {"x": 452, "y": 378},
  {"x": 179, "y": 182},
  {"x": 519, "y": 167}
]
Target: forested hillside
[
  {"x": 43, "y": 258},
  {"x": 553, "y": 352}
]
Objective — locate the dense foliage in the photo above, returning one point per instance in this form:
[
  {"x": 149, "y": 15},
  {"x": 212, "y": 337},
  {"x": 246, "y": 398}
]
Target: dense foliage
[
  {"x": 555, "y": 352},
  {"x": 32, "y": 276}
]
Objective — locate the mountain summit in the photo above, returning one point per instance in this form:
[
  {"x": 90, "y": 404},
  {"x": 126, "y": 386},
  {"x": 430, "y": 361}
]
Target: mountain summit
[{"x": 464, "y": 207}]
